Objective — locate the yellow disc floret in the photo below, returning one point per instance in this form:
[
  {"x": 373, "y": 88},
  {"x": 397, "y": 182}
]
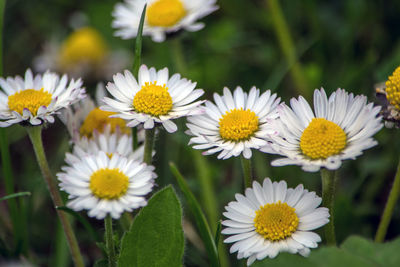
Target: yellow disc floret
[
  {"x": 109, "y": 183},
  {"x": 97, "y": 119},
  {"x": 30, "y": 99},
  {"x": 83, "y": 46},
  {"x": 322, "y": 139},
  {"x": 238, "y": 125},
  {"x": 393, "y": 88},
  {"x": 276, "y": 221},
  {"x": 165, "y": 13},
  {"x": 153, "y": 99}
]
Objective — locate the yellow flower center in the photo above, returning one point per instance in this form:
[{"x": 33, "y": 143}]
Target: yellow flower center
[
  {"x": 322, "y": 138},
  {"x": 83, "y": 45},
  {"x": 109, "y": 183},
  {"x": 238, "y": 125},
  {"x": 393, "y": 88},
  {"x": 165, "y": 13},
  {"x": 97, "y": 119},
  {"x": 276, "y": 221},
  {"x": 153, "y": 99},
  {"x": 30, "y": 99}
]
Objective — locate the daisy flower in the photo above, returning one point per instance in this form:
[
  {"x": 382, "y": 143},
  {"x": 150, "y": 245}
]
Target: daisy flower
[
  {"x": 36, "y": 99},
  {"x": 162, "y": 17},
  {"x": 108, "y": 142},
  {"x": 340, "y": 128},
  {"x": 104, "y": 185},
  {"x": 389, "y": 95},
  {"x": 156, "y": 98},
  {"x": 271, "y": 218},
  {"x": 236, "y": 124},
  {"x": 85, "y": 117}
]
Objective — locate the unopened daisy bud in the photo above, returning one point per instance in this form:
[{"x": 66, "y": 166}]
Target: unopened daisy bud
[
  {"x": 162, "y": 17},
  {"x": 155, "y": 99},
  {"x": 339, "y": 128},
  {"x": 106, "y": 185},
  {"x": 35, "y": 99},
  {"x": 235, "y": 124},
  {"x": 271, "y": 218}
]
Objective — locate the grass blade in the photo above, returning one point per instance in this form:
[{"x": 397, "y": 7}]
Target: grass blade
[
  {"x": 201, "y": 221},
  {"x": 20, "y": 194},
  {"x": 138, "y": 45}
]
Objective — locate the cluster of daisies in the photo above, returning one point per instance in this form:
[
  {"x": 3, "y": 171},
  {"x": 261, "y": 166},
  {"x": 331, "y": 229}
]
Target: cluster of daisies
[{"x": 105, "y": 175}]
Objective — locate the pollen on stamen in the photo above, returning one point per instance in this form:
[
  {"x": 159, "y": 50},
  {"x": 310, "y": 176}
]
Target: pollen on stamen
[
  {"x": 153, "y": 99},
  {"x": 165, "y": 13},
  {"x": 238, "y": 125},
  {"x": 322, "y": 139}
]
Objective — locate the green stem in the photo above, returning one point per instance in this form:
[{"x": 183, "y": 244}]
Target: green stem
[
  {"x": 388, "y": 211},
  {"x": 178, "y": 56},
  {"x": 148, "y": 145},
  {"x": 134, "y": 138},
  {"x": 328, "y": 200},
  {"x": 285, "y": 41},
  {"x": 35, "y": 134},
  {"x": 247, "y": 172},
  {"x": 110, "y": 242}
]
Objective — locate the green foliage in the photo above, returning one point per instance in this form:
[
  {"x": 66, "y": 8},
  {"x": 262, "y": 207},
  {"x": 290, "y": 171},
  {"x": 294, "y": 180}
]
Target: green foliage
[
  {"x": 355, "y": 251},
  {"x": 200, "y": 219},
  {"x": 156, "y": 234},
  {"x": 20, "y": 194}
]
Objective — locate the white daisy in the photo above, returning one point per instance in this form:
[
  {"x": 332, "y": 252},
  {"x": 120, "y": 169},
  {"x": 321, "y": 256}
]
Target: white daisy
[
  {"x": 155, "y": 99},
  {"x": 272, "y": 218},
  {"x": 35, "y": 100},
  {"x": 341, "y": 128},
  {"x": 236, "y": 124},
  {"x": 104, "y": 185},
  {"x": 85, "y": 117},
  {"x": 162, "y": 17},
  {"x": 108, "y": 142}
]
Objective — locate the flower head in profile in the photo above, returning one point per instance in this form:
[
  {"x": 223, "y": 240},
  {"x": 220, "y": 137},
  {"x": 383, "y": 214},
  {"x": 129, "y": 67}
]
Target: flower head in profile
[
  {"x": 106, "y": 185},
  {"x": 271, "y": 218},
  {"x": 339, "y": 128},
  {"x": 35, "y": 99},
  {"x": 235, "y": 124},
  {"x": 109, "y": 142},
  {"x": 155, "y": 98},
  {"x": 162, "y": 17},
  {"x": 85, "y": 118},
  {"x": 388, "y": 93}
]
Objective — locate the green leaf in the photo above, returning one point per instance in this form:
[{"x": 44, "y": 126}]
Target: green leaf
[
  {"x": 355, "y": 251},
  {"x": 201, "y": 221},
  {"x": 386, "y": 254},
  {"x": 83, "y": 221},
  {"x": 156, "y": 234},
  {"x": 20, "y": 194},
  {"x": 138, "y": 45}
]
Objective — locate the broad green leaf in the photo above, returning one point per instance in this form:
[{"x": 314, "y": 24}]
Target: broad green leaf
[
  {"x": 156, "y": 234},
  {"x": 355, "y": 252},
  {"x": 101, "y": 263},
  {"x": 386, "y": 254},
  {"x": 201, "y": 221}
]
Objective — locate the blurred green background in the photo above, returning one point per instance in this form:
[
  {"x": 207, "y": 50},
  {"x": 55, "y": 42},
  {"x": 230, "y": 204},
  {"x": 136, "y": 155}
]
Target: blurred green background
[{"x": 336, "y": 44}]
